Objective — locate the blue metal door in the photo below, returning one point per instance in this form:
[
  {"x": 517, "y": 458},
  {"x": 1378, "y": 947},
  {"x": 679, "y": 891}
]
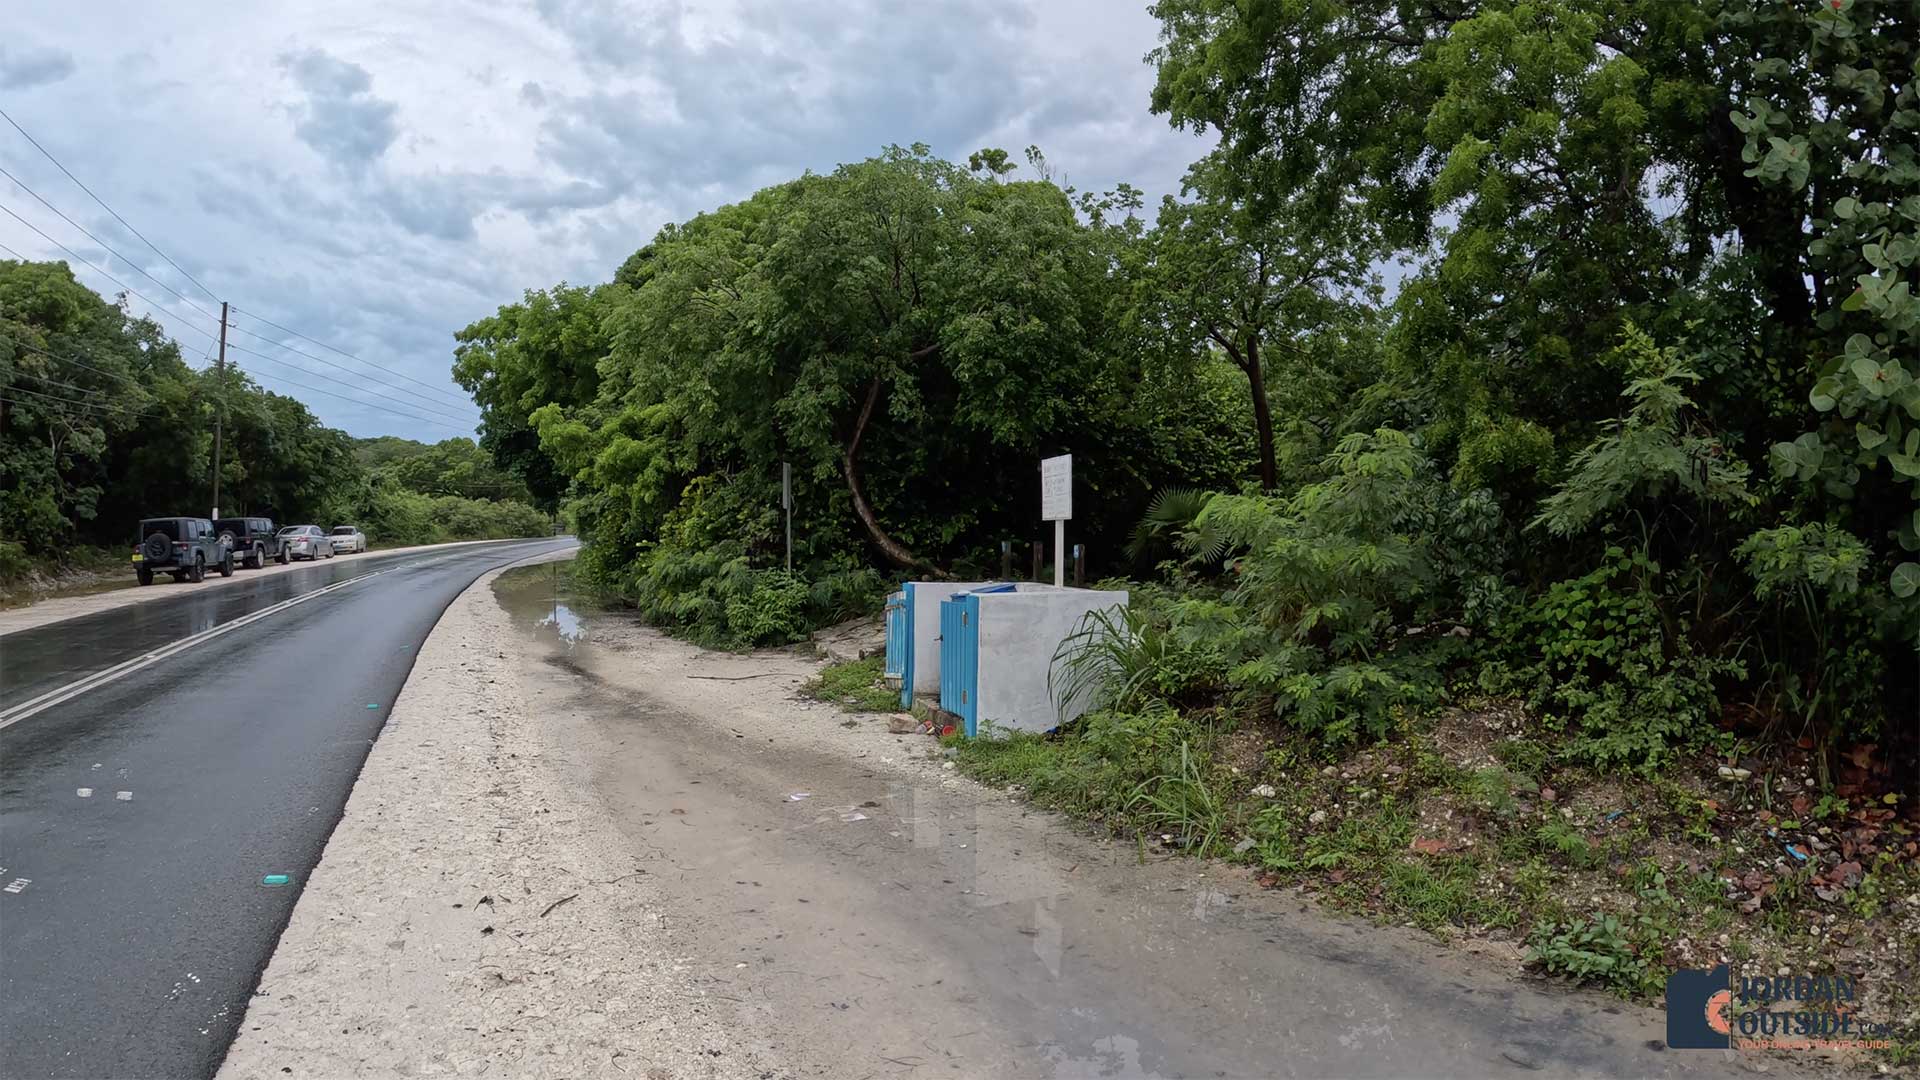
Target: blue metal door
[{"x": 960, "y": 659}]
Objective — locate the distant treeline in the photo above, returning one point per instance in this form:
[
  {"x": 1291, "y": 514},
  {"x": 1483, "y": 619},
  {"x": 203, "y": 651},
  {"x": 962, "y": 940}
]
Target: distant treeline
[{"x": 102, "y": 423}]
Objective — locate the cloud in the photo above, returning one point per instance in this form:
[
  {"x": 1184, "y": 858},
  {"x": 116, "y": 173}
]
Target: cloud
[
  {"x": 341, "y": 119},
  {"x": 21, "y": 68},
  {"x": 780, "y": 88},
  {"x": 529, "y": 142}
]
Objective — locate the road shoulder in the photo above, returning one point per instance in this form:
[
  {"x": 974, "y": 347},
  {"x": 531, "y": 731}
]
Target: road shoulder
[{"x": 471, "y": 911}]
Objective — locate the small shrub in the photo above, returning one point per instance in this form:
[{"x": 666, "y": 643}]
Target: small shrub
[
  {"x": 1555, "y": 835},
  {"x": 14, "y": 562},
  {"x": 1344, "y": 590},
  {"x": 857, "y": 685},
  {"x": 770, "y": 610},
  {"x": 1596, "y": 658},
  {"x": 1591, "y": 950}
]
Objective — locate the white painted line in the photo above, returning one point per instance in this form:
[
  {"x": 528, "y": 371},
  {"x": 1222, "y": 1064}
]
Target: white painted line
[
  {"x": 85, "y": 792},
  {"x": 18, "y": 885},
  {"x": 123, "y": 796},
  {"x": 121, "y": 670}
]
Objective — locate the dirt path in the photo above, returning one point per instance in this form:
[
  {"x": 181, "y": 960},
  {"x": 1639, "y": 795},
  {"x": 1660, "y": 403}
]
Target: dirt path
[
  {"x": 599, "y": 852},
  {"x": 901, "y": 921}
]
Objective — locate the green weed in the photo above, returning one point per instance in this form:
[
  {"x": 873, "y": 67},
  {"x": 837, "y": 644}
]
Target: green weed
[{"x": 856, "y": 685}]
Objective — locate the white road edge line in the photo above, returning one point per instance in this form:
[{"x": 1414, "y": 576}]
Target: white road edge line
[{"x": 121, "y": 670}]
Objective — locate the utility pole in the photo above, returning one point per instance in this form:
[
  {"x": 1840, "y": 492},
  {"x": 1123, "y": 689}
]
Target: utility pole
[
  {"x": 219, "y": 399},
  {"x": 786, "y": 501}
]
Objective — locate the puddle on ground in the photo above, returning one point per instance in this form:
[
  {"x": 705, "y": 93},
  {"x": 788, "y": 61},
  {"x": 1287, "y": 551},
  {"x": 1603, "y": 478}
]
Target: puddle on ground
[{"x": 540, "y": 600}]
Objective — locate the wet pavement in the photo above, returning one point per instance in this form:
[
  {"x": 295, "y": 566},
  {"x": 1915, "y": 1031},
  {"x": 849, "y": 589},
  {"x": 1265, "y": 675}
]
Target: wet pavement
[
  {"x": 36, "y": 660},
  {"x": 140, "y": 821}
]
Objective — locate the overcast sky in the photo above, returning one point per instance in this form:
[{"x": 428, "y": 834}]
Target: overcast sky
[{"x": 377, "y": 175}]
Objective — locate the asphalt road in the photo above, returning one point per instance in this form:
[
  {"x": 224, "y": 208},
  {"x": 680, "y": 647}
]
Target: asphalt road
[{"x": 138, "y": 820}]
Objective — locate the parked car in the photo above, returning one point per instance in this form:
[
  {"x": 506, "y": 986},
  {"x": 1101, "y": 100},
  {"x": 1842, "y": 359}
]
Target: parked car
[
  {"x": 252, "y": 540},
  {"x": 181, "y": 546},
  {"x": 305, "y": 542},
  {"x": 348, "y": 538}
]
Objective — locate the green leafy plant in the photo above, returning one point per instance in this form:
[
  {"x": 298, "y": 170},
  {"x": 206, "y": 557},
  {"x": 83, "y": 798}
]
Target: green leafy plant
[
  {"x": 1589, "y": 949},
  {"x": 1338, "y": 589},
  {"x": 1596, "y": 657},
  {"x": 855, "y": 684}
]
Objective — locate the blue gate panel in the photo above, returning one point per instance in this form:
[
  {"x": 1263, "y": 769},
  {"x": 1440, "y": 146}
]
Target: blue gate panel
[{"x": 898, "y": 637}]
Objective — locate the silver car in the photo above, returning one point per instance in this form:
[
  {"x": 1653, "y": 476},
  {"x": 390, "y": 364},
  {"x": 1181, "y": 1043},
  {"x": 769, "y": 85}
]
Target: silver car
[
  {"x": 305, "y": 542},
  {"x": 347, "y": 538}
]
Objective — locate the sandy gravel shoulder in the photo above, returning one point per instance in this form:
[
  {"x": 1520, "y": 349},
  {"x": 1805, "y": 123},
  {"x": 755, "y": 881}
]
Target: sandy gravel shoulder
[
  {"x": 59, "y": 608},
  {"x": 473, "y": 912}
]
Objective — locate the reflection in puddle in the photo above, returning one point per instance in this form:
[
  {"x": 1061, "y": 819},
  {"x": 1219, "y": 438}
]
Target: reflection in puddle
[
  {"x": 538, "y": 598},
  {"x": 565, "y": 622}
]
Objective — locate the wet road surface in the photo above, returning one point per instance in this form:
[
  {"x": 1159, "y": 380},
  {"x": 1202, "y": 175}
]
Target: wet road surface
[{"x": 138, "y": 820}]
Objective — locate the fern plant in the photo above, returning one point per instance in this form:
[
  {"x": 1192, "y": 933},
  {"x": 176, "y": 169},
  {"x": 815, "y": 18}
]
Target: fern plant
[{"x": 1659, "y": 450}]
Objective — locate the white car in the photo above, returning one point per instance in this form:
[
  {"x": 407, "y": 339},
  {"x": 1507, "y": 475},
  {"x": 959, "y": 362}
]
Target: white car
[{"x": 348, "y": 539}]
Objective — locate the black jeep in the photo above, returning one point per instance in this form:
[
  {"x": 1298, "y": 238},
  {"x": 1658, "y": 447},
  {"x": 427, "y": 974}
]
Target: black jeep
[
  {"x": 252, "y": 540},
  {"x": 181, "y": 546}
]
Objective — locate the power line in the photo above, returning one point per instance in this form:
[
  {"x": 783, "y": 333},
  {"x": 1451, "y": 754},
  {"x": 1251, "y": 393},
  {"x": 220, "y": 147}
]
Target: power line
[
  {"x": 71, "y": 360},
  {"x": 103, "y": 203},
  {"x": 57, "y": 382},
  {"x": 342, "y": 397},
  {"x": 272, "y": 360},
  {"x": 21, "y": 184},
  {"x": 348, "y": 355},
  {"x": 96, "y": 405},
  {"x": 136, "y": 292},
  {"x": 202, "y": 331},
  {"x": 428, "y": 402},
  {"x": 429, "y": 405}
]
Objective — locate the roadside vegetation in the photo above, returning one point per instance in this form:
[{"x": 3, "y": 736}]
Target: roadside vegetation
[
  {"x": 1562, "y": 594},
  {"x": 855, "y": 685},
  {"x": 1564, "y": 591},
  {"x": 102, "y": 422}
]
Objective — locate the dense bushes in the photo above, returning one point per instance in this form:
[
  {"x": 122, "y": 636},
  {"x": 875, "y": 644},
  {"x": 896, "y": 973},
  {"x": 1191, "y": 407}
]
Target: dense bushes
[{"x": 1632, "y": 438}]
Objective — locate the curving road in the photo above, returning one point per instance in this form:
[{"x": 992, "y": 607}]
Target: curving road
[{"x": 157, "y": 762}]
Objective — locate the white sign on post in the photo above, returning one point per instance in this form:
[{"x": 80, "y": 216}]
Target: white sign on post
[
  {"x": 1056, "y": 488},
  {"x": 1056, "y": 505}
]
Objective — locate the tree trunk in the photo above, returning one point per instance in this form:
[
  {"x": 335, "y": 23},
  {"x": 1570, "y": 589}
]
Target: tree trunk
[
  {"x": 1262, "y": 415},
  {"x": 850, "y": 468},
  {"x": 1769, "y": 222}
]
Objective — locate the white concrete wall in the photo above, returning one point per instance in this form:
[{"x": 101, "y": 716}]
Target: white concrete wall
[
  {"x": 926, "y": 632},
  {"x": 1019, "y": 634}
]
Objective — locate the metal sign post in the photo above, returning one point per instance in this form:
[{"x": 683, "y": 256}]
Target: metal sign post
[
  {"x": 1056, "y": 505},
  {"x": 786, "y": 503}
]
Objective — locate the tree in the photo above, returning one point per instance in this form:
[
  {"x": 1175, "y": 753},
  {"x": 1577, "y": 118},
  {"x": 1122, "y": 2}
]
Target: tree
[
  {"x": 1254, "y": 281},
  {"x": 544, "y": 350},
  {"x": 1831, "y": 130}
]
